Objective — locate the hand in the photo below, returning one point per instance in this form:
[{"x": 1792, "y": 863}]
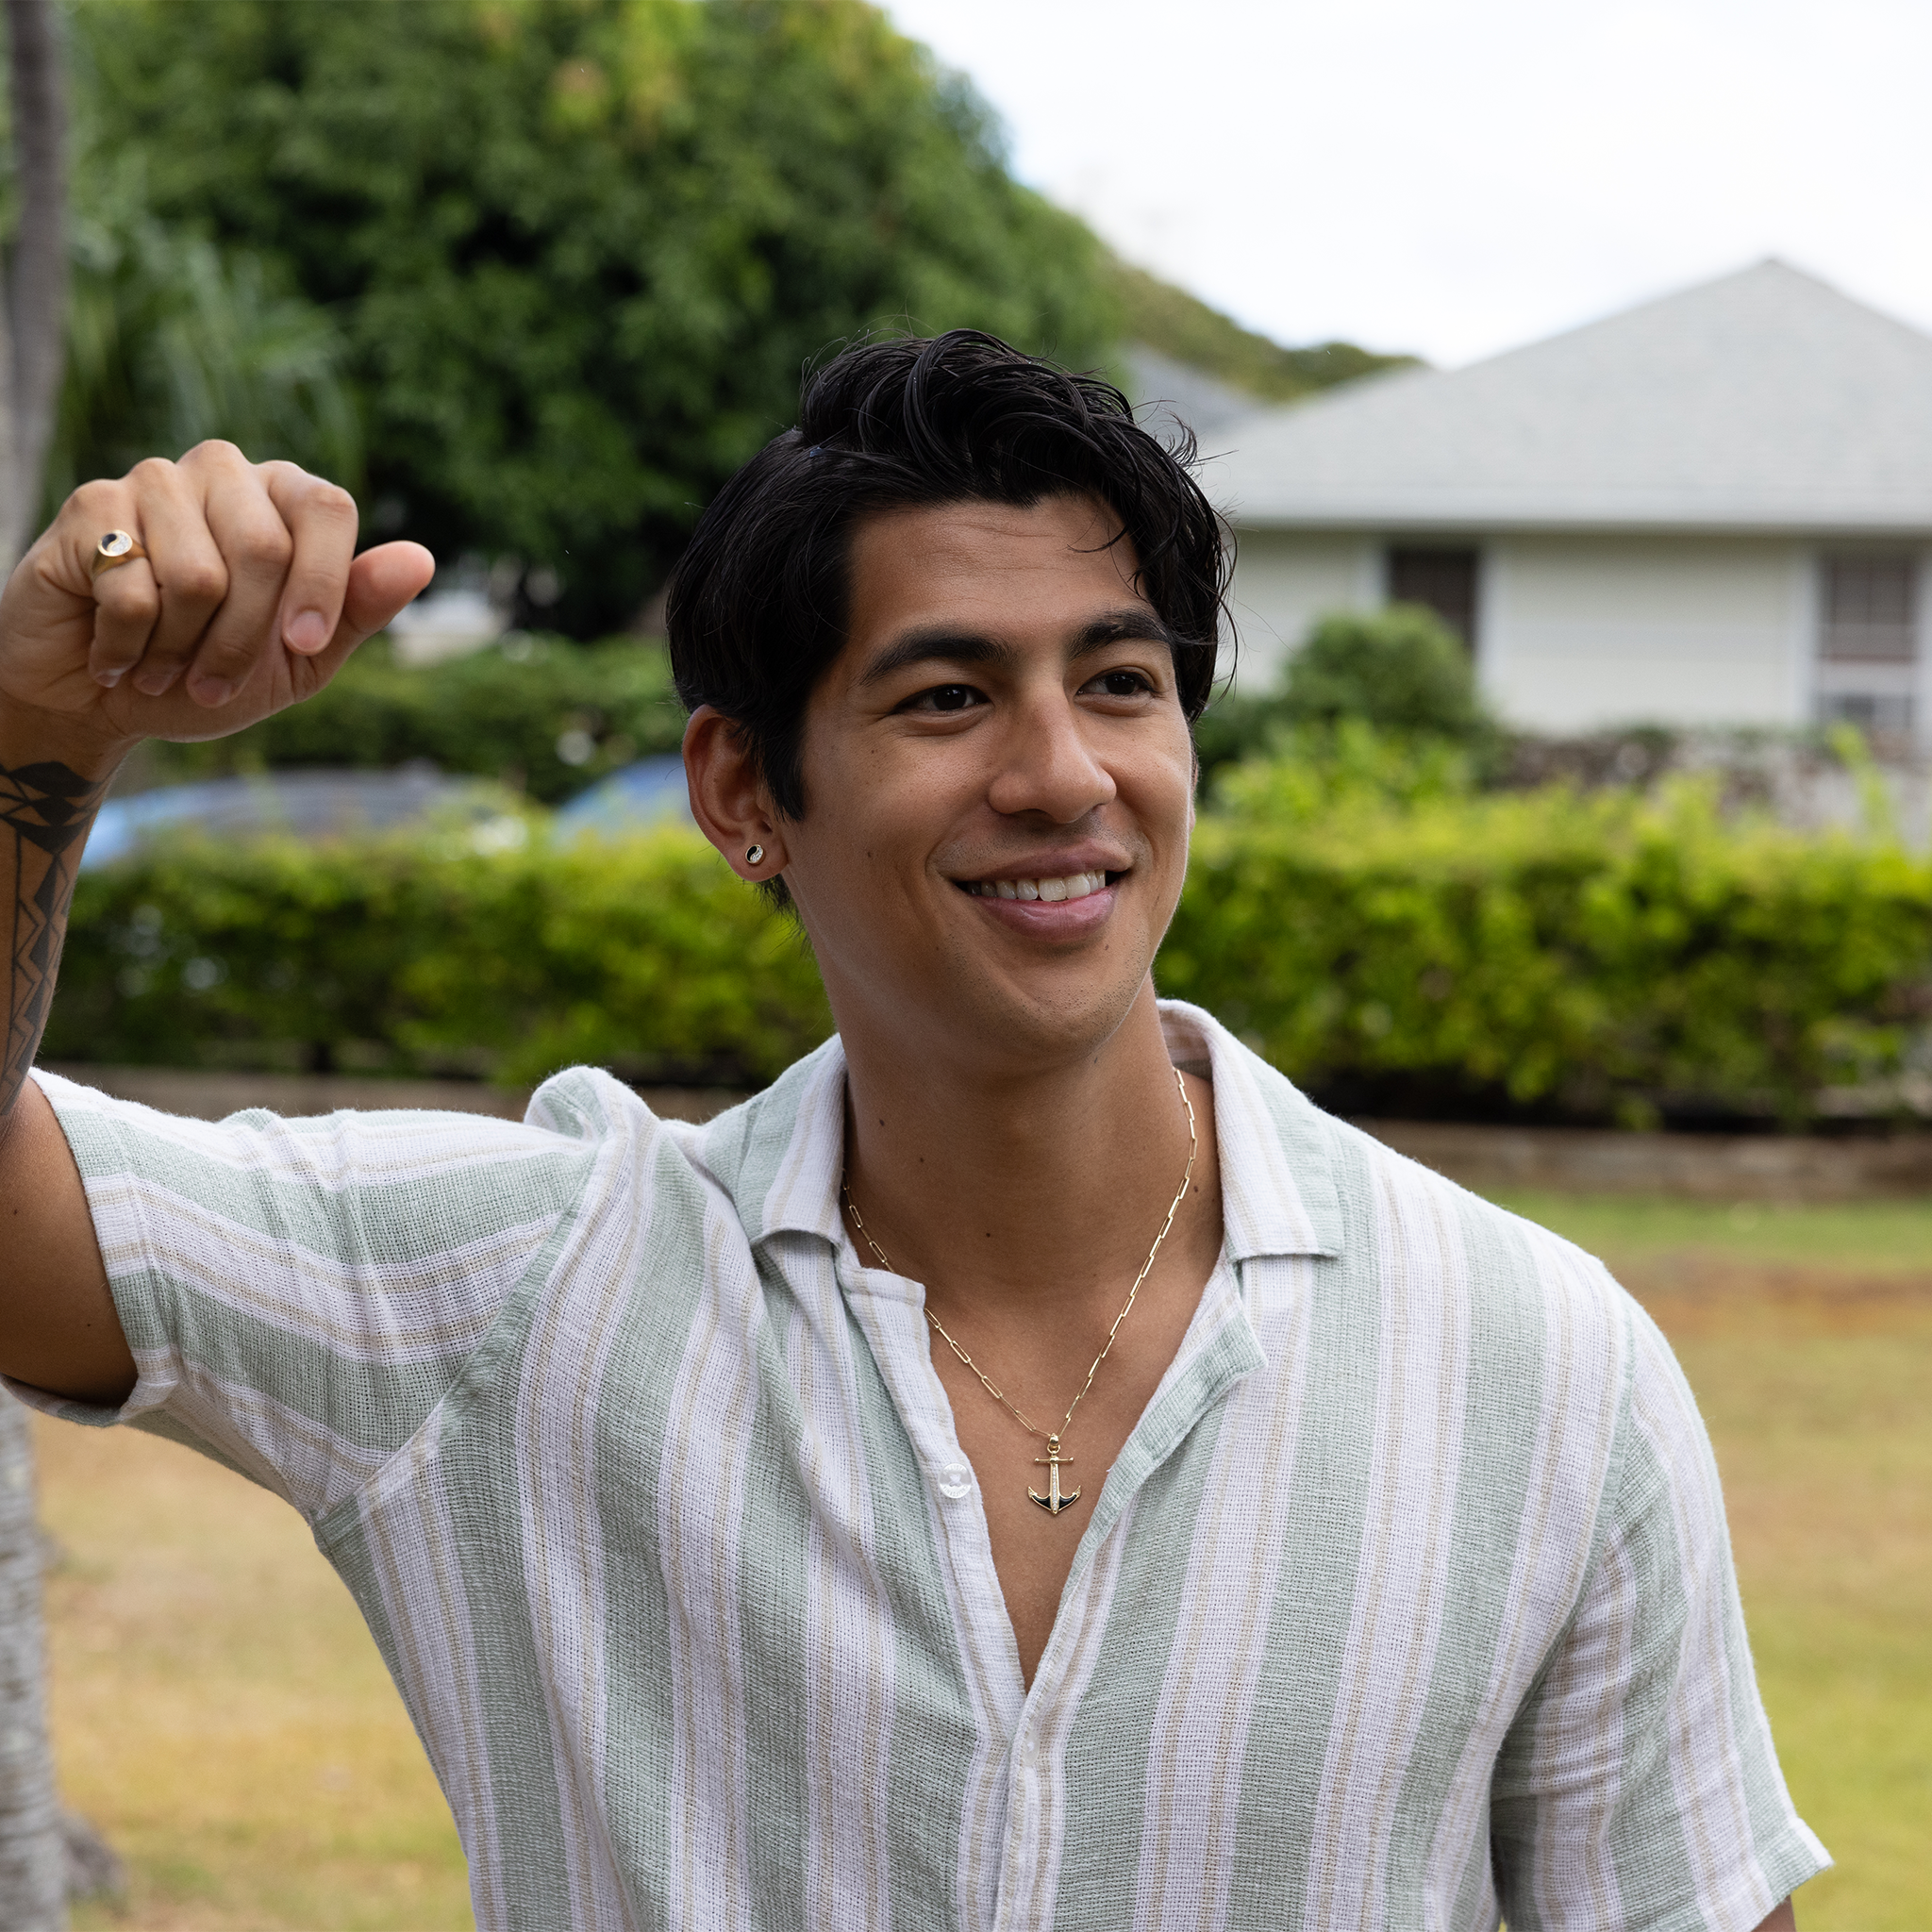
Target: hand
[{"x": 250, "y": 599}]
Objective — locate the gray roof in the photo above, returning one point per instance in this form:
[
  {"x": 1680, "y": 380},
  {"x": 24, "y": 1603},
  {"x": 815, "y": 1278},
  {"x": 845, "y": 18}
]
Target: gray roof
[
  {"x": 1764, "y": 400},
  {"x": 1166, "y": 391}
]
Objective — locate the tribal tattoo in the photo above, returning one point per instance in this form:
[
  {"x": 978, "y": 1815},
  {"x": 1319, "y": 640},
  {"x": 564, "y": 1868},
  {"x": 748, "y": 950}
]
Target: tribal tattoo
[{"x": 48, "y": 808}]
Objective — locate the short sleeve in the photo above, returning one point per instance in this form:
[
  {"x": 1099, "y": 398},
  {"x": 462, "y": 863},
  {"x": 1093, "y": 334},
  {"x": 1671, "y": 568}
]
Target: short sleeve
[
  {"x": 299, "y": 1295},
  {"x": 1638, "y": 1787}
]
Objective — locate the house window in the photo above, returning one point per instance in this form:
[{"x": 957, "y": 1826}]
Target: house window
[
  {"x": 1441, "y": 579},
  {"x": 1882, "y": 716},
  {"x": 1870, "y": 610},
  {"x": 1868, "y": 646}
]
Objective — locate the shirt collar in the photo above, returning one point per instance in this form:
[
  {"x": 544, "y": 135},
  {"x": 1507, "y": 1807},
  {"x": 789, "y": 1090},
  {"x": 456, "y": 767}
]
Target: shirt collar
[{"x": 781, "y": 1155}]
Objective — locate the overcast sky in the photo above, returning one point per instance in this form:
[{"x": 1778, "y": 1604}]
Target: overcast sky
[{"x": 1457, "y": 178}]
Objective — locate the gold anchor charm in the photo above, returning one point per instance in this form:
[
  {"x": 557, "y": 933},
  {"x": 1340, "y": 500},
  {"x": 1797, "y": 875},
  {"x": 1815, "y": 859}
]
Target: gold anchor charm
[{"x": 1053, "y": 1461}]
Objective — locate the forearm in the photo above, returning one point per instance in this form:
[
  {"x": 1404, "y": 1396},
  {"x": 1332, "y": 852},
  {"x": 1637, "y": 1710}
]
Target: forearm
[
  {"x": 231, "y": 592},
  {"x": 51, "y": 781}
]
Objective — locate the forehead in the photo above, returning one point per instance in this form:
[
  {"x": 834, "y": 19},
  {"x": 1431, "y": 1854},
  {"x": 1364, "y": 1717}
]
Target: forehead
[{"x": 991, "y": 565}]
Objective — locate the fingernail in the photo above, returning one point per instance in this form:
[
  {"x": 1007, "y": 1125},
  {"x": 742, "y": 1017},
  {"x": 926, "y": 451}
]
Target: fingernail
[
  {"x": 107, "y": 679},
  {"x": 153, "y": 682},
  {"x": 306, "y": 632},
  {"x": 211, "y": 691}
]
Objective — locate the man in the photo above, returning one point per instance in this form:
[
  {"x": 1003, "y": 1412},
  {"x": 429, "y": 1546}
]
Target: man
[{"x": 1239, "y": 1527}]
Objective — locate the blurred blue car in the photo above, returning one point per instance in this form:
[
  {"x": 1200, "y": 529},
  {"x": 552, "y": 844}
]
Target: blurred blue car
[
  {"x": 639, "y": 797},
  {"x": 308, "y": 804}
]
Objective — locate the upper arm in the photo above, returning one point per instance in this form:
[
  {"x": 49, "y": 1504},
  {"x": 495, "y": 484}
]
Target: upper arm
[
  {"x": 1639, "y": 1786},
  {"x": 295, "y": 1296},
  {"x": 58, "y": 1326}
]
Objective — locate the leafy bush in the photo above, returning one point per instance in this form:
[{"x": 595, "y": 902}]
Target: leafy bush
[
  {"x": 649, "y": 956},
  {"x": 544, "y": 715},
  {"x": 1391, "y": 939},
  {"x": 1401, "y": 671}
]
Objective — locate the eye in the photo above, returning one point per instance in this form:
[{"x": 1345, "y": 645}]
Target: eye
[
  {"x": 1122, "y": 684},
  {"x": 945, "y": 699}
]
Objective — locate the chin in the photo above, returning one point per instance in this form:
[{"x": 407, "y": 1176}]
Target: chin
[{"x": 1049, "y": 1019}]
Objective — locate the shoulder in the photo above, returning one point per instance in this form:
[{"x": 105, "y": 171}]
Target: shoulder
[
  {"x": 1536, "y": 1313},
  {"x": 387, "y": 1155},
  {"x": 1534, "y": 1301},
  {"x": 769, "y": 1163}
]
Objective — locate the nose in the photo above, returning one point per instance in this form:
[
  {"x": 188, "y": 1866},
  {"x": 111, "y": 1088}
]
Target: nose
[{"x": 1047, "y": 765}]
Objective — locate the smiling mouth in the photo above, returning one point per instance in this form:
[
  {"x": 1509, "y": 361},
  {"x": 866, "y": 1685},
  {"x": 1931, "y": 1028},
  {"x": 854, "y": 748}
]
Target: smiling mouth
[{"x": 1077, "y": 885}]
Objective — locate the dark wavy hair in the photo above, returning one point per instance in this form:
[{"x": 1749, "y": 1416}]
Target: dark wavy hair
[{"x": 756, "y": 607}]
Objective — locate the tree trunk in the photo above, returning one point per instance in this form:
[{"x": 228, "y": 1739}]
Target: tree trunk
[
  {"x": 37, "y": 275},
  {"x": 32, "y": 1859},
  {"x": 33, "y": 306}
]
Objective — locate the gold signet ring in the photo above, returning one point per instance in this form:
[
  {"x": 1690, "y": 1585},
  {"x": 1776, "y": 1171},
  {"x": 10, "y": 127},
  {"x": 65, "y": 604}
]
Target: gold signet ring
[{"x": 117, "y": 546}]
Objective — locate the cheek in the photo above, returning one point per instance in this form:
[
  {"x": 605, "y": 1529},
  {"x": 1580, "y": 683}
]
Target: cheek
[{"x": 1166, "y": 800}]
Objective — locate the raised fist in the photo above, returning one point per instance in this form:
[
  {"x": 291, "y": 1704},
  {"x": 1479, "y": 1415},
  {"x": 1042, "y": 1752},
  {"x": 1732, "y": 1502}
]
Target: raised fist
[{"x": 247, "y": 599}]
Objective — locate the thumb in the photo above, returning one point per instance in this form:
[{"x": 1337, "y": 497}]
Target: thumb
[{"x": 381, "y": 581}]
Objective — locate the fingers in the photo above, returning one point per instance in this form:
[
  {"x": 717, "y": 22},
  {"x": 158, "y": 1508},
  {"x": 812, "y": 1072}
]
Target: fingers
[
  {"x": 184, "y": 561},
  {"x": 381, "y": 581},
  {"x": 321, "y": 518},
  {"x": 257, "y": 548},
  {"x": 250, "y": 585},
  {"x": 242, "y": 561},
  {"x": 126, "y": 600}
]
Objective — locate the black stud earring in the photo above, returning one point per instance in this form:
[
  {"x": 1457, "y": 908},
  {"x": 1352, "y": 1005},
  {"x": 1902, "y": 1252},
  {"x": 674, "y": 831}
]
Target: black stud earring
[{"x": 754, "y": 854}]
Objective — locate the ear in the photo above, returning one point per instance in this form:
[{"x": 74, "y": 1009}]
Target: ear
[{"x": 728, "y": 799}]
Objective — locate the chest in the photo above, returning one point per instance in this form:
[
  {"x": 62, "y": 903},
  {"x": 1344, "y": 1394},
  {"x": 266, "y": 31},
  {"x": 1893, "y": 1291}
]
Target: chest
[
  {"x": 1041, "y": 1415},
  {"x": 765, "y": 1623}
]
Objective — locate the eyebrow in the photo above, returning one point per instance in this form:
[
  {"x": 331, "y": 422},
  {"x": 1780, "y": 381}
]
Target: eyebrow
[{"x": 935, "y": 643}]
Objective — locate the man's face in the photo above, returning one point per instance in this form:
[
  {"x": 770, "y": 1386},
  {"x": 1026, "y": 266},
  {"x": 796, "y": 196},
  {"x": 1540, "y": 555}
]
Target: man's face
[{"x": 998, "y": 782}]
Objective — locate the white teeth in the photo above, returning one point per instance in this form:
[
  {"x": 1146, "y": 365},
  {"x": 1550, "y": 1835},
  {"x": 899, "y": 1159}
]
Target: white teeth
[{"x": 1077, "y": 885}]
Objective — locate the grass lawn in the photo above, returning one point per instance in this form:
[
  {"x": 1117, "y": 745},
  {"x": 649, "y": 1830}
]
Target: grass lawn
[{"x": 221, "y": 1713}]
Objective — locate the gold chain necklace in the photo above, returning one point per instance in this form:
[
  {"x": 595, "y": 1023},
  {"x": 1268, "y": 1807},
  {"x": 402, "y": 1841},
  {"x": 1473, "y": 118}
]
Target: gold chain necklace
[{"x": 1053, "y": 1461}]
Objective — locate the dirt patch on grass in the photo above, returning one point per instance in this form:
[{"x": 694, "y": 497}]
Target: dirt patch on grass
[{"x": 1701, "y": 1292}]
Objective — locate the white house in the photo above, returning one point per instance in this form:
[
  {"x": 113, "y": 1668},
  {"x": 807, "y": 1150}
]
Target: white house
[{"x": 1714, "y": 510}]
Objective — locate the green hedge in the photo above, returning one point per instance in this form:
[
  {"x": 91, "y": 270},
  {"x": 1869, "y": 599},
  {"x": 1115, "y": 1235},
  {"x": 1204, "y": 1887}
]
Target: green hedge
[
  {"x": 511, "y": 712},
  {"x": 649, "y": 956},
  {"x": 1595, "y": 954},
  {"x": 1375, "y": 929}
]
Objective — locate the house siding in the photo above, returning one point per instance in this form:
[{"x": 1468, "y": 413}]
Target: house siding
[
  {"x": 1574, "y": 632},
  {"x": 1590, "y": 631},
  {"x": 1284, "y": 581}
]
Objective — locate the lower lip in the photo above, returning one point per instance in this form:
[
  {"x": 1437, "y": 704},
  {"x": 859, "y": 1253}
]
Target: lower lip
[{"x": 1043, "y": 918}]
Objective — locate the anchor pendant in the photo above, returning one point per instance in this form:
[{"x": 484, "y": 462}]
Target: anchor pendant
[{"x": 1053, "y": 1461}]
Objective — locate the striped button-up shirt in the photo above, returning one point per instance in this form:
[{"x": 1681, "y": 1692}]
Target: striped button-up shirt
[{"x": 1407, "y": 1603}]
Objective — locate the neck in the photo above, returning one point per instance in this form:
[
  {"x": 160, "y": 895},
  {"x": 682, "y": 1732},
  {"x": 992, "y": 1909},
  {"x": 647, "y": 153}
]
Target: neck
[{"x": 1003, "y": 1188}]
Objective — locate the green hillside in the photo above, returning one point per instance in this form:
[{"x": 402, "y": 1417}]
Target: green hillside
[{"x": 1178, "y": 325}]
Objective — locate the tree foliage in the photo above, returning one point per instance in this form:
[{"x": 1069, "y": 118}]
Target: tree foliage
[
  {"x": 579, "y": 250},
  {"x": 172, "y": 339},
  {"x": 1181, "y": 325}
]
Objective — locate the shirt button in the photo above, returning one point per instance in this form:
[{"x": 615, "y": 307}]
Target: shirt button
[{"x": 956, "y": 1480}]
